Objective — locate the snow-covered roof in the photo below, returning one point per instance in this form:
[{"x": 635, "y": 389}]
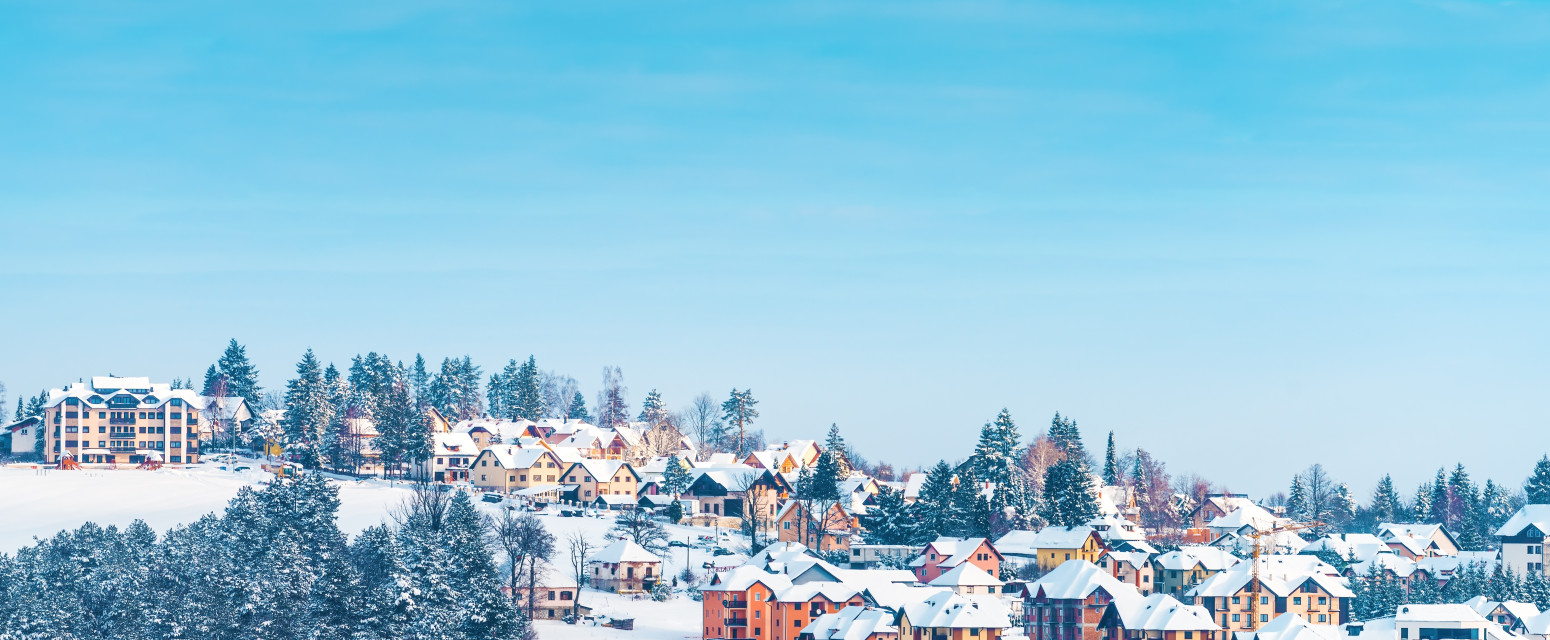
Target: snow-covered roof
[
  {"x": 1062, "y": 537},
  {"x": 1350, "y": 546},
  {"x": 1112, "y": 527},
  {"x": 1077, "y": 580},
  {"x": 1279, "y": 574},
  {"x": 454, "y": 444},
  {"x": 145, "y": 394},
  {"x": 1538, "y": 625},
  {"x": 1190, "y": 557},
  {"x": 624, "y": 551},
  {"x": 601, "y": 470},
  {"x": 1162, "y": 612},
  {"x": 1291, "y": 626},
  {"x": 831, "y": 591},
  {"x": 741, "y": 578},
  {"x": 850, "y": 623},
  {"x": 1519, "y": 610},
  {"x": 966, "y": 575},
  {"x": 1137, "y": 559},
  {"x": 913, "y": 484},
  {"x": 949, "y": 610},
  {"x": 956, "y": 550},
  {"x": 1535, "y": 515},
  {"x": 1438, "y": 613},
  {"x": 510, "y": 456},
  {"x": 1386, "y": 561},
  {"x": 1248, "y": 514}
]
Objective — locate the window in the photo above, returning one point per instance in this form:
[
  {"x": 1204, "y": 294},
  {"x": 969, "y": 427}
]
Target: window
[
  {"x": 523, "y": 478},
  {"x": 1235, "y": 617},
  {"x": 1264, "y": 617},
  {"x": 102, "y": 415},
  {"x": 102, "y": 429},
  {"x": 102, "y": 443},
  {"x": 481, "y": 476},
  {"x": 1188, "y": 635},
  {"x": 1323, "y": 617},
  {"x": 511, "y": 478},
  {"x": 1297, "y": 600},
  {"x": 1323, "y": 600},
  {"x": 1404, "y": 632},
  {"x": 1235, "y": 599}
]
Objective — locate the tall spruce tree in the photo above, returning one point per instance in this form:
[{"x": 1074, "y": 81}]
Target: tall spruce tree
[
  {"x": 578, "y": 409},
  {"x": 1070, "y": 499},
  {"x": 739, "y": 409},
  {"x": 1111, "y": 464},
  {"x": 530, "y": 391},
  {"x": 653, "y": 411},
  {"x": 420, "y": 383},
  {"x": 675, "y": 476},
  {"x": 995, "y": 471},
  {"x": 1297, "y": 501},
  {"x": 938, "y": 503},
  {"x": 1537, "y": 488},
  {"x": 241, "y": 376},
  {"x": 1386, "y": 505},
  {"x": 307, "y": 412}
]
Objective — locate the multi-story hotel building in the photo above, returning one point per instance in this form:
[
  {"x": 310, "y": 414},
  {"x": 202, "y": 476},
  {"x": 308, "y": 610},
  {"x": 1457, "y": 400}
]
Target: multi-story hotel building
[{"x": 117, "y": 420}]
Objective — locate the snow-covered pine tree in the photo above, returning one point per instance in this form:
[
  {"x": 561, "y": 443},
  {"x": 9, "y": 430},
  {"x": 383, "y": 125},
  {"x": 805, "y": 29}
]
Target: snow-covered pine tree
[
  {"x": 1065, "y": 434},
  {"x": 1111, "y": 464},
  {"x": 675, "y": 477},
  {"x": 1386, "y": 505},
  {"x": 578, "y": 409},
  {"x": 891, "y": 520},
  {"x": 530, "y": 391},
  {"x": 1342, "y": 507},
  {"x": 502, "y": 402},
  {"x": 1297, "y": 501},
  {"x": 420, "y": 383},
  {"x": 1537, "y": 488},
  {"x": 653, "y": 411},
  {"x": 1069, "y": 496},
  {"x": 1421, "y": 510},
  {"x": 241, "y": 376},
  {"x": 1440, "y": 501},
  {"x": 472, "y": 573},
  {"x": 214, "y": 381},
  {"x": 739, "y": 410},
  {"x": 307, "y": 412},
  {"x": 937, "y": 504}
]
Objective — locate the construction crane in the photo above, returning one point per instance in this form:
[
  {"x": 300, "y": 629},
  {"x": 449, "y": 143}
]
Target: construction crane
[{"x": 1254, "y": 564}]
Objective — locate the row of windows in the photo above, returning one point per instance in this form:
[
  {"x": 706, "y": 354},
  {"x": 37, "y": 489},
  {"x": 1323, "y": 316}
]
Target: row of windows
[{"x": 148, "y": 430}]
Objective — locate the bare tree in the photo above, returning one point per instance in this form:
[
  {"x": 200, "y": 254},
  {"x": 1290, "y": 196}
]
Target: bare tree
[
  {"x": 645, "y": 530},
  {"x": 580, "y": 550},
  {"x": 702, "y": 421},
  {"x": 613, "y": 407},
  {"x": 426, "y": 506},
  {"x": 557, "y": 391},
  {"x": 758, "y": 507},
  {"x": 528, "y": 547}
]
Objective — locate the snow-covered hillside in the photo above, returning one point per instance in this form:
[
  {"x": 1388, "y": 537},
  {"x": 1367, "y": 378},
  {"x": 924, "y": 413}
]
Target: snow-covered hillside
[{"x": 40, "y": 503}]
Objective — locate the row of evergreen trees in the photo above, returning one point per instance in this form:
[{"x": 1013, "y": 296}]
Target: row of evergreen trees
[
  {"x": 1379, "y": 594},
  {"x": 273, "y": 566},
  {"x": 1472, "y": 513},
  {"x": 991, "y": 492}
]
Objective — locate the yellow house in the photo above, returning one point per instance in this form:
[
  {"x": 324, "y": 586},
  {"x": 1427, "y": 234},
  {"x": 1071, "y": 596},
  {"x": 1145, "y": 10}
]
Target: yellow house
[
  {"x": 506, "y": 468},
  {"x": 1056, "y": 545},
  {"x": 593, "y": 478},
  {"x": 951, "y": 616}
]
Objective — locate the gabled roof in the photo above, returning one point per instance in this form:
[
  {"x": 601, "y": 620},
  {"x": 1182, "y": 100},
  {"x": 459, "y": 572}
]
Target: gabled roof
[
  {"x": 1077, "y": 580},
  {"x": 1137, "y": 559},
  {"x": 1291, "y": 626},
  {"x": 1248, "y": 514},
  {"x": 1387, "y": 561},
  {"x": 624, "y": 551},
  {"x": 741, "y": 578},
  {"x": 1438, "y": 613},
  {"x": 1062, "y": 537},
  {"x": 510, "y": 456},
  {"x": 956, "y": 550},
  {"x": 1531, "y": 515},
  {"x": 913, "y": 484},
  {"x": 966, "y": 575},
  {"x": 807, "y": 592},
  {"x": 850, "y": 623},
  {"x": 1191, "y": 557},
  {"x": 602, "y": 470},
  {"x": 1279, "y": 574},
  {"x": 1161, "y": 612},
  {"x": 950, "y": 610},
  {"x": 454, "y": 444}
]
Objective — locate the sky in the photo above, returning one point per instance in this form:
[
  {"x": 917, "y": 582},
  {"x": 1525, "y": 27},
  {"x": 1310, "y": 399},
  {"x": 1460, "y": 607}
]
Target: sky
[{"x": 1245, "y": 236}]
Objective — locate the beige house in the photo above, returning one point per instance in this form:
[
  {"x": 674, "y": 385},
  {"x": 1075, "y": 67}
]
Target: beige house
[
  {"x": 24, "y": 435},
  {"x": 116, "y": 420},
  {"x": 506, "y": 468},
  {"x": 1303, "y": 585},
  {"x": 556, "y": 596},
  {"x": 1130, "y": 567},
  {"x": 625, "y": 567},
  {"x": 593, "y": 478}
]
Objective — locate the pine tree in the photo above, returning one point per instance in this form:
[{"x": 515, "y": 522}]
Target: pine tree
[
  {"x": 836, "y": 443},
  {"x": 938, "y": 503},
  {"x": 578, "y": 409},
  {"x": 1069, "y": 498},
  {"x": 214, "y": 382},
  {"x": 652, "y": 410},
  {"x": 501, "y": 392},
  {"x": 892, "y": 521},
  {"x": 1064, "y": 433},
  {"x": 336, "y": 436},
  {"x": 739, "y": 410},
  {"x": 993, "y": 467},
  {"x": 1343, "y": 506},
  {"x": 1111, "y": 464},
  {"x": 1423, "y": 503},
  {"x": 307, "y": 412},
  {"x": 529, "y": 390},
  {"x": 1537, "y": 487},
  {"x": 240, "y": 374},
  {"x": 1439, "y": 499},
  {"x": 1297, "y": 500},
  {"x": 1385, "y": 501},
  {"x": 675, "y": 477},
  {"x": 420, "y": 383}
]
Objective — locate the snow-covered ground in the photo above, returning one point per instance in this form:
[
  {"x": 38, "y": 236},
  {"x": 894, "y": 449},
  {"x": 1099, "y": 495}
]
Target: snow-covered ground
[{"x": 41, "y": 503}]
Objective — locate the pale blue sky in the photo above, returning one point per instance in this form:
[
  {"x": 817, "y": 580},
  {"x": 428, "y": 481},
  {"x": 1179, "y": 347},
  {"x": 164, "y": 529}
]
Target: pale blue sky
[{"x": 1247, "y": 236}]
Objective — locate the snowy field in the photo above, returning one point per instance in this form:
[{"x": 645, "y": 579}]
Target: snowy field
[{"x": 41, "y": 503}]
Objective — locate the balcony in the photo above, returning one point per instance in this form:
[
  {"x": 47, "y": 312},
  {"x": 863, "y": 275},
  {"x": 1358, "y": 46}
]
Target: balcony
[
  {"x": 121, "y": 420},
  {"x": 736, "y": 604},
  {"x": 737, "y": 622}
]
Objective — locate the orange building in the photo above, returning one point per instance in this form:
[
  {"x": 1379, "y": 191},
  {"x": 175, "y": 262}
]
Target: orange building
[{"x": 741, "y": 603}]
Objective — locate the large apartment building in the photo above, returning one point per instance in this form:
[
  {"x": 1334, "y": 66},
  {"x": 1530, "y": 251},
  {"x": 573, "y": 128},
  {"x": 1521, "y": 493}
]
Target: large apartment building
[{"x": 114, "y": 420}]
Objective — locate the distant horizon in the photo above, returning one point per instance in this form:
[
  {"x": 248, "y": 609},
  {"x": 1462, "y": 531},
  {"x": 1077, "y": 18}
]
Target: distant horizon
[{"x": 1247, "y": 238}]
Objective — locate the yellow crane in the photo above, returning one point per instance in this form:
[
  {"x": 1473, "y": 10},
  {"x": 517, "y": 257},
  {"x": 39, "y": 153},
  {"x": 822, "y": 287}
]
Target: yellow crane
[{"x": 1254, "y": 564}]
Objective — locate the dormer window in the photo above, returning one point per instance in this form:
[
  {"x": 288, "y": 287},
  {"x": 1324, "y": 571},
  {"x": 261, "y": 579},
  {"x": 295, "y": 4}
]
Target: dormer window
[{"x": 177, "y": 402}]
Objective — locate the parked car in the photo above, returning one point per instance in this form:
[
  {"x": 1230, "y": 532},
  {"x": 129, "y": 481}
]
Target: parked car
[
  {"x": 678, "y": 543},
  {"x": 721, "y": 551}
]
